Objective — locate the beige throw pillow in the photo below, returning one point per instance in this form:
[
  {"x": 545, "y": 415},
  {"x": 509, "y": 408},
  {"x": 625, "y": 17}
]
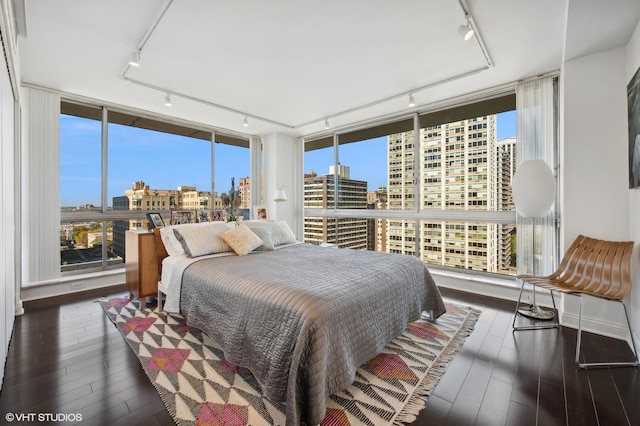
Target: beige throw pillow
[{"x": 241, "y": 239}]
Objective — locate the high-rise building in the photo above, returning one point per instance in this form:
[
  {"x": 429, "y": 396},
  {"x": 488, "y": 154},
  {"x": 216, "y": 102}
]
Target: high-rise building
[
  {"x": 462, "y": 169},
  {"x": 377, "y": 228},
  {"x": 120, "y": 226},
  {"x": 506, "y": 152},
  {"x": 244, "y": 191},
  {"x": 320, "y": 192}
]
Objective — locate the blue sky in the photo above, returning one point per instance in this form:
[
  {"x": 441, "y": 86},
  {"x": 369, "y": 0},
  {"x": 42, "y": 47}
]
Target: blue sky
[
  {"x": 165, "y": 161},
  {"x": 161, "y": 160},
  {"x": 370, "y": 165}
]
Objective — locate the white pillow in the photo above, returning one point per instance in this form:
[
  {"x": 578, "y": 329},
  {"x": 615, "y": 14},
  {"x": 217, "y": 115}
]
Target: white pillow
[
  {"x": 171, "y": 243},
  {"x": 280, "y": 231},
  {"x": 264, "y": 233},
  {"x": 241, "y": 239},
  {"x": 199, "y": 239}
]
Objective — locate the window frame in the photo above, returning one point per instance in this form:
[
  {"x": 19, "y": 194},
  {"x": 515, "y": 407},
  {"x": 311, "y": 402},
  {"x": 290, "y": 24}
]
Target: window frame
[
  {"x": 124, "y": 116},
  {"x": 454, "y": 110}
]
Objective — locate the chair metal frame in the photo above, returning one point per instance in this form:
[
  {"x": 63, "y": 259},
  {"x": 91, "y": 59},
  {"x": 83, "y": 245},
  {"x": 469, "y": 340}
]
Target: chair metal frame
[
  {"x": 542, "y": 324},
  {"x": 597, "y": 268}
]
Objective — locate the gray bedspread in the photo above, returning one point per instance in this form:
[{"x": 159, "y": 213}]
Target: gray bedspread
[{"x": 304, "y": 318}]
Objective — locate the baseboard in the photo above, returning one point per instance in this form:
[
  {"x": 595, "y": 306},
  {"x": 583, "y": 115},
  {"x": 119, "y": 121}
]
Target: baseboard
[
  {"x": 19, "y": 308},
  {"x": 509, "y": 290},
  {"x": 506, "y": 289},
  {"x": 72, "y": 284},
  {"x": 597, "y": 326}
]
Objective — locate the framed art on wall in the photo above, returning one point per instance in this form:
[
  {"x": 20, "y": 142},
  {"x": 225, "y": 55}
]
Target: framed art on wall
[
  {"x": 179, "y": 217},
  {"x": 204, "y": 216},
  {"x": 155, "y": 220},
  {"x": 260, "y": 213}
]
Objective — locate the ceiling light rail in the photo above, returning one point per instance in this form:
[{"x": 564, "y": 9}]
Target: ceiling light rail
[
  {"x": 399, "y": 95},
  {"x": 454, "y": 102},
  {"x": 204, "y": 102},
  {"x": 134, "y": 60},
  {"x": 127, "y": 109},
  {"x": 470, "y": 25}
]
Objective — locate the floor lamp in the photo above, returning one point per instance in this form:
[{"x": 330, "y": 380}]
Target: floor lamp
[{"x": 534, "y": 189}]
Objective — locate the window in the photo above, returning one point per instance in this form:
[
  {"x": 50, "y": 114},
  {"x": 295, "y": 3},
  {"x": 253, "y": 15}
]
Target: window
[
  {"x": 429, "y": 196},
  {"x": 232, "y": 161},
  {"x": 150, "y": 166},
  {"x": 373, "y": 173}
]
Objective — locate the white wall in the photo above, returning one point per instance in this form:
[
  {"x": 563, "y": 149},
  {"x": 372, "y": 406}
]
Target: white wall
[
  {"x": 595, "y": 195},
  {"x": 632, "y": 64},
  {"x": 7, "y": 209},
  {"x": 7, "y": 217},
  {"x": 283, "y": 168},
  {"x": 595, "y": 176}
]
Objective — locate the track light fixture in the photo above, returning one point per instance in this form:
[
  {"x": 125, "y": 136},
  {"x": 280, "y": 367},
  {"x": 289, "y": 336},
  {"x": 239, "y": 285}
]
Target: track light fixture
[
  {"x": 245, "y": 123},
  {"x": 412, "y": 101},
  {"x": 167, "y": 101},
  {"x": 466, "y": 31},
  {"x": 326, "y": 123},
  {"x": 134, "y": 59}
]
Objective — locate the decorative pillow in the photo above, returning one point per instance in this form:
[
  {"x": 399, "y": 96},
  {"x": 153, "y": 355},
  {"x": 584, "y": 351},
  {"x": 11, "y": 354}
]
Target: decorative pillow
[
  {"x": 282, "y": 234},
  {"x": 171, "y": 243},
  {"x": 241, "y": 239},
  {"x": 280, "y": 231},
  {"x": 200, "y": 239},
  {"x": 264, "y": 233}
]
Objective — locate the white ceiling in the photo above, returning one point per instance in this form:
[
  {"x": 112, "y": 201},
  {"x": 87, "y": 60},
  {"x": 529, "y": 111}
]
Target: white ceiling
[{"x": 288, "y": 64}]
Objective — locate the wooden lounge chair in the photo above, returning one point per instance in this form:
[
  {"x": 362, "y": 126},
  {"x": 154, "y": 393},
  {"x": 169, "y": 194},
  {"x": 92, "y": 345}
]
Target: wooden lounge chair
[{"x": 593, "y": 267}]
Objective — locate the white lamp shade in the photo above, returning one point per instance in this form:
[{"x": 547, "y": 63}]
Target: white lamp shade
[
  {"x": 280, "y": 195},
  {"x": 534, "y": 188}
]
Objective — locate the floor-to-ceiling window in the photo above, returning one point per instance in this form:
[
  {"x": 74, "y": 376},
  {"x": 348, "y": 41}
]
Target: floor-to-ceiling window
[
  {"x": 443, "y": 195},
  {"x": 115, "y": 167}
]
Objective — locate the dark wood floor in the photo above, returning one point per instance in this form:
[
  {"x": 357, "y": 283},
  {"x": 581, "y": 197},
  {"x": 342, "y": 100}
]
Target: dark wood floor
[{"x": 66, "y": 357}]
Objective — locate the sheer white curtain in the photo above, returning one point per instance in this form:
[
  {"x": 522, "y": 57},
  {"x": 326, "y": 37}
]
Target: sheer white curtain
[
  {"x": 536, "y": 135},
  {"x": 41, "y": 187}
]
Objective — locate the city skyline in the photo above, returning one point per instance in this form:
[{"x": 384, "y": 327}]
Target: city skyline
[
  {"x": 368, "y": 164},
  {"x": 167, "y": 161}
]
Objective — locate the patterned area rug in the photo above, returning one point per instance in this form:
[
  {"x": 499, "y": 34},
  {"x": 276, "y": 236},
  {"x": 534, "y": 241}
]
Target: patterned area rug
[{"x": 199, "y": 387}]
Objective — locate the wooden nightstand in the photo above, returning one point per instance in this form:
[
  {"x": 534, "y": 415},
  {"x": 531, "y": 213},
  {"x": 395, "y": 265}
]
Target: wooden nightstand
[{"x": 141, "y": 264}]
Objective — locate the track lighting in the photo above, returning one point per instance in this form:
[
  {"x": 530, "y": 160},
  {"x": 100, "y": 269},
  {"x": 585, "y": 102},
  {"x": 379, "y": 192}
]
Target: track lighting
[
  {"x": 167, "y": 100},
  {"x": 466, "y": 31},
  {"x": 326, "y": 123},
  {"x": 412, "y": 101},
  {"x": 245, "y": 123},
  {"x": 134, "y": 59}
]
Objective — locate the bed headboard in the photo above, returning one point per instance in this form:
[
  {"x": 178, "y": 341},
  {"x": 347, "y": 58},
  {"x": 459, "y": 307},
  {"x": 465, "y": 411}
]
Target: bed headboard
[{"x": 161, "y": 251}]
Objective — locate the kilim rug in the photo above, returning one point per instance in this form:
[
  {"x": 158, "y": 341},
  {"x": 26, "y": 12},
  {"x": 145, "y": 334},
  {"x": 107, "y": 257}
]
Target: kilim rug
[{"x": 198, "y": 386}]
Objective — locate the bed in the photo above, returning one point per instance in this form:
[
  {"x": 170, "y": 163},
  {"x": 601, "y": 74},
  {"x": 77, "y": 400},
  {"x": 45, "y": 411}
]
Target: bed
[{"x": 301, "y": 317}]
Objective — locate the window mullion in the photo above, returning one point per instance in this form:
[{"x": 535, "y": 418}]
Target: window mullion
[
  {"x": 417, "y": 162},
  {"x": 104, "y": 175}
]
